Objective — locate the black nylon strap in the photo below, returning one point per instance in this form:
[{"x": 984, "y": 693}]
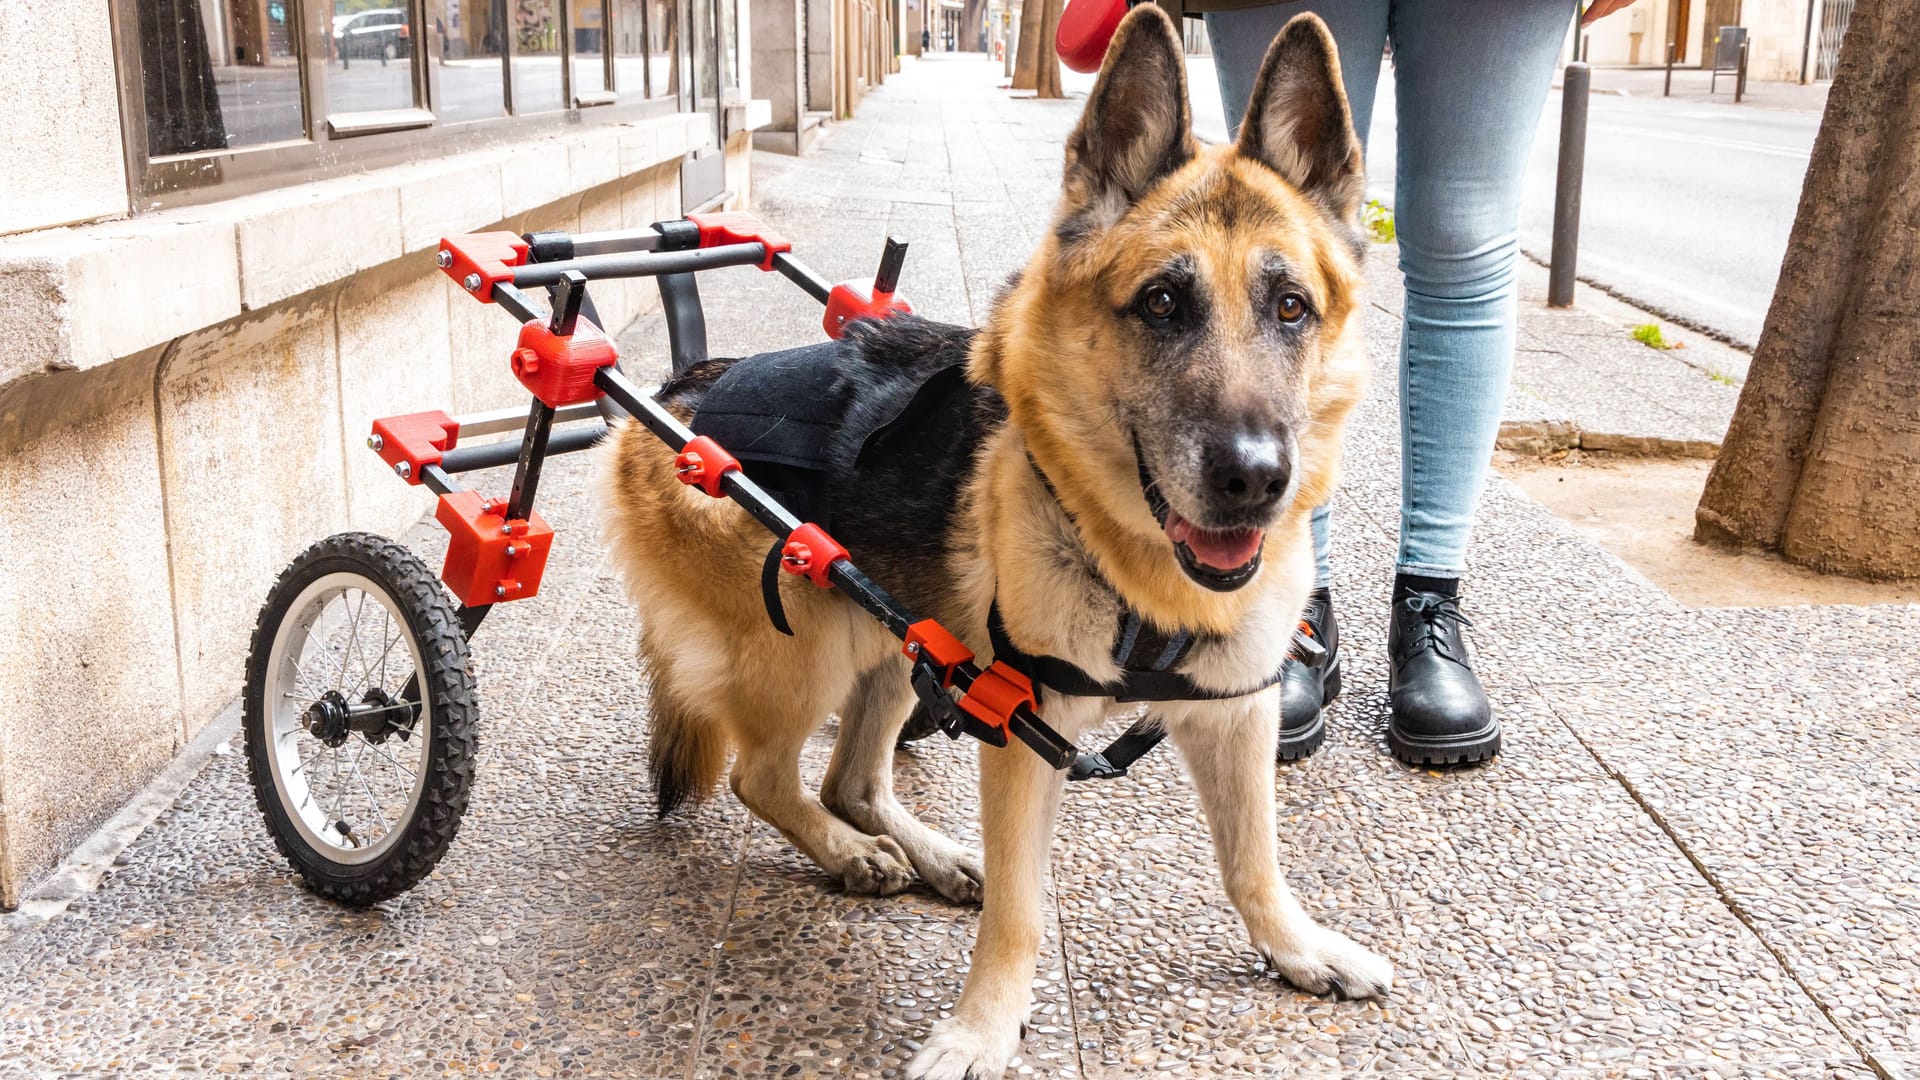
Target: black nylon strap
[
  {"x": 1065, "y": 678},
  {"x": 770, "y": 588}
]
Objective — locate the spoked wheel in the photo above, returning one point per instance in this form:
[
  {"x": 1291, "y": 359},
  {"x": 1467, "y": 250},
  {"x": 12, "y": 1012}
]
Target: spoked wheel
[{"x": 359, "y": 715}]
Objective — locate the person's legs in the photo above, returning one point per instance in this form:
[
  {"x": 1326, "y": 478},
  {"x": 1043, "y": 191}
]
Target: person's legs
[
  {"x": 1470, "y": 83},
  {"x": 1239, "y": 40}
]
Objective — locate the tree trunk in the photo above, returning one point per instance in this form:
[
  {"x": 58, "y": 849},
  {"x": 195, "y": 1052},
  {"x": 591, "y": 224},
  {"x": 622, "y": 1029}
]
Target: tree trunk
[
  {"x": 1047, "y": 79},
  {"x": 1822, "y": 460},
  {"x": 1026, "y": 61}
]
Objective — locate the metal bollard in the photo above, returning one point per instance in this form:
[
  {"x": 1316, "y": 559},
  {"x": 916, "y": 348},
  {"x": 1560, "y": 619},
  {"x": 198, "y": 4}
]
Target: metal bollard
[
  {"x": 1566, "y": 194},
  {"x": 1668, "y": 92},
  {"x": 1740, "y": 80}
]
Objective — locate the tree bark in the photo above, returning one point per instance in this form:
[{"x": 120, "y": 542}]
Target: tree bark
[{"x": 1822, "y": 460}]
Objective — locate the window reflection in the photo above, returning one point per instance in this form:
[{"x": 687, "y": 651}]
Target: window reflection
[
  {"x": 589, "y": 27},
  {"x": 473, "y": 40},
  {"x": 369, "y": 56},
  {"x": 663, "y": 48},
  {"x": 536, "y": 56},
  {"x": 218, "y": 74}
]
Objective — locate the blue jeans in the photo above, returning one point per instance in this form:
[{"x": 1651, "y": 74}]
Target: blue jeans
[{"x": 1470, "y": 80}]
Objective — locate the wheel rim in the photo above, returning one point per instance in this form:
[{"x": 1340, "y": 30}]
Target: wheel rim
[{"x": 342, "y": 656}]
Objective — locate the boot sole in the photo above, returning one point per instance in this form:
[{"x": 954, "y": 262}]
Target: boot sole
[
  {"x": 1466, "y": 749},
  {"x": 1299, "y": 744}
]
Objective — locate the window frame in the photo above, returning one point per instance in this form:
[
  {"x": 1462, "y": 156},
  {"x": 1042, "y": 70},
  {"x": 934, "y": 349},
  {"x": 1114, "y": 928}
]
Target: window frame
[{"x": 365, "y": 140}]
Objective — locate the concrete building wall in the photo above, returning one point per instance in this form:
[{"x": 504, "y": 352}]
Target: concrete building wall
[
  {"x": 162, "y": 459},
  {"x": 61, "y": 160}
]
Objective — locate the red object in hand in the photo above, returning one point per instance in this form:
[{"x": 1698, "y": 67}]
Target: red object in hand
[
  {"x": 851, "y": 300},
  {"x": 559, "y": 370},
  {"x": 1085, "y": 29},
  {"x": 489, "y": 557}
]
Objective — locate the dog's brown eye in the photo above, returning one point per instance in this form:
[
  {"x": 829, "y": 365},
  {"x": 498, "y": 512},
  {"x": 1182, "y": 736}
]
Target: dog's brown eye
[
  {"x": 1159, "y": 303},
  {"x": 1293, "y": 308}
]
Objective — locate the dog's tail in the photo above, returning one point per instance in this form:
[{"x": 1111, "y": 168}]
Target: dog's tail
[{"x": 687, "y": 751}]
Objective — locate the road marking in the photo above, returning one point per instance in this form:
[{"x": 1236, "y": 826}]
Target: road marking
[{"x": 1706, "y": 140}]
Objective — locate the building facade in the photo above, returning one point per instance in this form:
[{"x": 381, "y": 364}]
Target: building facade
[
  {"x": 1788, "y": 40},
  {"x": 217, "y": 226}
]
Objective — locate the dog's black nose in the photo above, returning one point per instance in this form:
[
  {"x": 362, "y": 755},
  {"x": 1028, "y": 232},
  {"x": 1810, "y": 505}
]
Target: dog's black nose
[{"x": 1247, "y": 472}]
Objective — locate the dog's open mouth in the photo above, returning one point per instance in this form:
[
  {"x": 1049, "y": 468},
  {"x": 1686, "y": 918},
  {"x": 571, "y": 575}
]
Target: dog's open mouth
[{"x": 1220, "y": 559}]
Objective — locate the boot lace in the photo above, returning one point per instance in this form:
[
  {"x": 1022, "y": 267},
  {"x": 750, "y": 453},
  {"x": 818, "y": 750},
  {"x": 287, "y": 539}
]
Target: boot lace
[{"x": 1436, "y": 611}]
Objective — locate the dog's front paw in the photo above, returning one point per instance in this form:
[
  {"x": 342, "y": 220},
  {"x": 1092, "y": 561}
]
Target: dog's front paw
[
  {"x": 1332, "y": 964},
  {"x": 956, "y": 875},
  {"x": 959, "y": 1050}
]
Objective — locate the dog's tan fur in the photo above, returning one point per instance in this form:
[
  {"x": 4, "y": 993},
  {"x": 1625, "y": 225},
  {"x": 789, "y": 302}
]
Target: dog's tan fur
[{"x": 1060, "y": 350}]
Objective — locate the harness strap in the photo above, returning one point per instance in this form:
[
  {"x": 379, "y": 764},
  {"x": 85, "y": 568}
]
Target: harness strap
[{"x": 1066, "y": 678}]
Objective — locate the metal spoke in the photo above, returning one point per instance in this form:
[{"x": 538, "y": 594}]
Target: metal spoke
[
  {"x": 372, "y": 803},
  {"x": 391, "y": 760}
]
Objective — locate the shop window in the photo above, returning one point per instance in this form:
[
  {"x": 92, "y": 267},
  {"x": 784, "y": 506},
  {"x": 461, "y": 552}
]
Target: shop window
[
  {"x": 223, "y": 97},
  {"x": 470, "y": 83},
  {"x": 218, "y": 74}
]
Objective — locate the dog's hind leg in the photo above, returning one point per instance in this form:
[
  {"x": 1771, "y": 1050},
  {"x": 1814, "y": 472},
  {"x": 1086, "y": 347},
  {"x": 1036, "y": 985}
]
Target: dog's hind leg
[
  {"x": 859, "y": 783},
  {"x": 766, "y": 777},
  {"x": 1228, "y": 747}
]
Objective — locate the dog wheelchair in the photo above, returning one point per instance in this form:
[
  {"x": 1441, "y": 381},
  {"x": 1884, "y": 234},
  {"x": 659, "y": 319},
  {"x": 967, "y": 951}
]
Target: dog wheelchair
[{"x": 360, "y": 708}]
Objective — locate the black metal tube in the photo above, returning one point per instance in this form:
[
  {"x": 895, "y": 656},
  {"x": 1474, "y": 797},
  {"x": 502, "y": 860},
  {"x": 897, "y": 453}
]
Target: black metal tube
[
  {"x": 641, "y": 264},
  {"x": 533, "y": 454},
  {"x": 1668, "y": 91},
  {"x": 566, "y": 440},
  {"x": 436, "y": 479},
  {"x": 1566, "y": 195},
  {"x": 686, "y": 320},
  {"x": 795, "y": 271},
  {"x": 516, "y": 303}
]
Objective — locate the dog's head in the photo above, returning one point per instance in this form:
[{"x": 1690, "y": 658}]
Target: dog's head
[{"x": 1182, "y": 352}]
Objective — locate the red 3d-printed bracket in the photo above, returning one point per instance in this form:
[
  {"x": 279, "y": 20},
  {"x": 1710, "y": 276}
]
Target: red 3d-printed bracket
[{"x": 491, "y": 558}]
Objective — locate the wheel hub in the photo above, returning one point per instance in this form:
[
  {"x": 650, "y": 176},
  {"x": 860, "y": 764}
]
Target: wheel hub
[{"x": 329, "y": 717}]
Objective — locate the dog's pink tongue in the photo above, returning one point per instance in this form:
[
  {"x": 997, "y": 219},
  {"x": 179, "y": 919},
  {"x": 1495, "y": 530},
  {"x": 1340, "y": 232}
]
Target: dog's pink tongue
[{"x": 1222, "y": 549}]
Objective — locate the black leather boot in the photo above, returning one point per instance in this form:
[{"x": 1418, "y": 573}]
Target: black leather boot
[
  {"x": 1305, "y": 691},
  {"x": 1441, "y": 716}
]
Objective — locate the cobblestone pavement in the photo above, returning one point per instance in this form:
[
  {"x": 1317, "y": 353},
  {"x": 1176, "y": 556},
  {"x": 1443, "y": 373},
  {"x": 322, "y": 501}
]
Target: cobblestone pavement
[{"x": 1695, "y": 858}]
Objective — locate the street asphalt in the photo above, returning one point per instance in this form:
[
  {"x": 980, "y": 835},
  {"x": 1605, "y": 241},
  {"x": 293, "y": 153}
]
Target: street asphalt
[{"x": 1694, "y": 858}]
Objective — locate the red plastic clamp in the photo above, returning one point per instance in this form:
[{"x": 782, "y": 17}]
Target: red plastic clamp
[
  {"x": 929, "y": 640},
  {"x": 489, "y": 557},
  {"x": 559, "y": 370},
  {"x": 810, "y": 551},
  {"x": 852, "y": 300},
  {"x": 703, "y": 463},
  {"x": 996, "y": 694},
  {"x": 479, "y": 261},
  {"x": 415, "y": 440},
  {"x": 739, "y": 227}
]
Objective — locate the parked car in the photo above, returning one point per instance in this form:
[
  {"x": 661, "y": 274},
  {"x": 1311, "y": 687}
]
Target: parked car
[{"x": 381, "y": 33}]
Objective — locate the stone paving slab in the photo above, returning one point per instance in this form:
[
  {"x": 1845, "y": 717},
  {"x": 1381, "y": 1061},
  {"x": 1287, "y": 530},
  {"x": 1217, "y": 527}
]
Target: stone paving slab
[{"x": 1695, "y": 858}]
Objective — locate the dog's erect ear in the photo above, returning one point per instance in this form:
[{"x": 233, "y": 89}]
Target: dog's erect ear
[
  {"x": 1297, "y": 122},
  {"x": 1136, "y": 128}
]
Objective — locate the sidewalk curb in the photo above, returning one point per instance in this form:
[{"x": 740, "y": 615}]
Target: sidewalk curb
[
  {"x": 82, "y": 872},
  {"x": 1544, "y": 438}
]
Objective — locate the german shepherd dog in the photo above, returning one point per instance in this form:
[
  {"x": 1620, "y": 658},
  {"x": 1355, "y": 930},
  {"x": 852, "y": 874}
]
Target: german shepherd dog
[{"x": 1156, "y": 404}]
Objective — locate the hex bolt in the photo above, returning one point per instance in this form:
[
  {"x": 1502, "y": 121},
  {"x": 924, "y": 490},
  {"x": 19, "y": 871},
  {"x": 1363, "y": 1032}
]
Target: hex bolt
[
  {"x": 405, "y": 470},
  {"x": 472, "y": 283},
  {"x": 375, "y": 443},
  {"x": 445, "y": 258}
]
